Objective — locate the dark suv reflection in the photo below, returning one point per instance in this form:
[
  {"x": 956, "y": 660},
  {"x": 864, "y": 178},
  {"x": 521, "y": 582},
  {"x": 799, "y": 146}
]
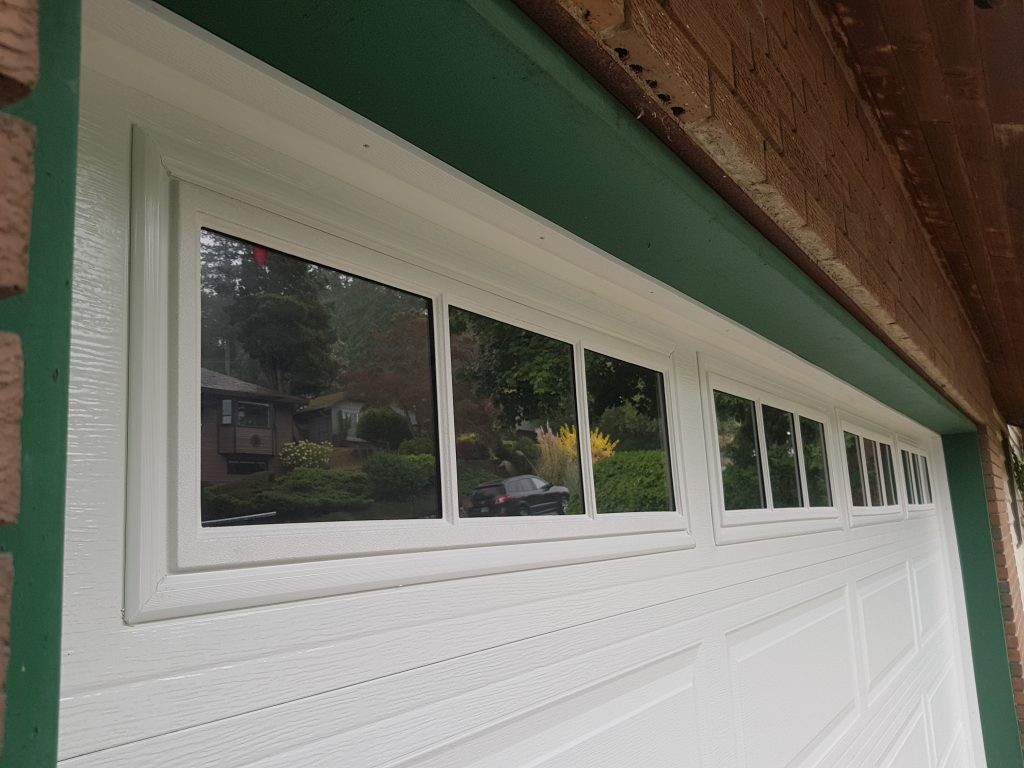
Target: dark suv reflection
[{"x": 519, "y": 495}]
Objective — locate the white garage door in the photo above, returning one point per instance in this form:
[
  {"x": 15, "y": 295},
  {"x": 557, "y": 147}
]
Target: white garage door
[{"x": 329, "y": 502}]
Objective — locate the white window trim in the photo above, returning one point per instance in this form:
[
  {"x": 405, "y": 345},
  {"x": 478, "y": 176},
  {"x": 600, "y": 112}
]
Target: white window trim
[
  {"x": 733, "y": 526},
  {"x": 179, "y": 189},
  {"x": 867, "y": 515}
]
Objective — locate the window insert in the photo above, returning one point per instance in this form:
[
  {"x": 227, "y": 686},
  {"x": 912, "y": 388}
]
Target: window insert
[
  {"x": 871, "y": 482},
  {"x": 772, "y": 462},
  {"x": 175, "y": 565},
  {"x": 916, "y": 477}
]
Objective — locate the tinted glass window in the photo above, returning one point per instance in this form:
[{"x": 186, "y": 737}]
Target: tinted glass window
[
  {"x": 908, "y": 478},
  {"x": 872, "y": 473},
  {"x": 515, "y": 412},
  {"x": 926, "y": 481},
  {"x": 628, "y": 436},
  {"x": 738, "y": 450},
  {"x": 888, "y": 475},
  {"x": 812, "y": 435},
  {"x": 921, "y": 498},
  {"x": 854, "y": 467},
  {"x": 783, "y": 464},
  {"x": 289, "y": 350}
]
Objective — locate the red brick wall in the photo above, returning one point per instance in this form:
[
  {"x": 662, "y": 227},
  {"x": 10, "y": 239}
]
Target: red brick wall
[
  {"x": 758, "y": 87},
  {"x": 19, "y": 71}
]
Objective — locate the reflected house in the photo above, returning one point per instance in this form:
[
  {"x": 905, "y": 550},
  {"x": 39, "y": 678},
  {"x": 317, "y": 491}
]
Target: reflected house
[
  {"x": 330, "y": 418},
  {"x": 244, "y": 426}
]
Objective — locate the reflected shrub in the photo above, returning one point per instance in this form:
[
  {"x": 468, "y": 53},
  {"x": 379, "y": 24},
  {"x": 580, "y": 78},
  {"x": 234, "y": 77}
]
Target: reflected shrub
[
  {"x": 383, "y": 426},
  {"x": 394, "y": 477},
  {"x": 306, "y": 454},
  {"x": 632, "y": 481},
  {"x": 417, "y": 445},
  {"x": 303, "y": 492}
]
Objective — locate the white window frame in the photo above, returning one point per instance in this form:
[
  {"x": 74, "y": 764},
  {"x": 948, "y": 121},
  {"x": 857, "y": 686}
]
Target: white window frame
[
  {"x": 863, "y": 514},
  {"x": 740, "y": 525},
  {"x": 175, "y": 566}
]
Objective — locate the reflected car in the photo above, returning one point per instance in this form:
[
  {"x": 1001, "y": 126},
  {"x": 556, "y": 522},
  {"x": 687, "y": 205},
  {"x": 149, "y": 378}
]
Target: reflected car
[{"x": 519, "y": 495}]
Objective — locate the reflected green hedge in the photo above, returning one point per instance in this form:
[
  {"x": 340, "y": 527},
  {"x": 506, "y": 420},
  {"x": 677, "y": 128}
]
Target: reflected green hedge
[
  {"x": 303, "y": 492},
  {"x": 632, "y": 481},
  {"x": 396, "y": 476}
]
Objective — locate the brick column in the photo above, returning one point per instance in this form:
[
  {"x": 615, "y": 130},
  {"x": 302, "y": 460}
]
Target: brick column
[
  {"x": 998, "y": 490},
  {"x": 19, "y": 72}
]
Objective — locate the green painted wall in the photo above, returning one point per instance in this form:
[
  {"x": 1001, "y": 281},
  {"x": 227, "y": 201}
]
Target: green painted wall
[
  {"x": 42, "y": 318},
  {"x": 479, "y": 86},
  {"x": 984, "y": 614}
]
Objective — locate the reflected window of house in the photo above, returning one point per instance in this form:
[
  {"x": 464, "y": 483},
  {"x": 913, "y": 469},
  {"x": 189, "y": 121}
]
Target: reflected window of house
[
  {"x": 318, "y": 399},
  {"x": 628, "y": 436},
  {"x": 516, "y": 441}
]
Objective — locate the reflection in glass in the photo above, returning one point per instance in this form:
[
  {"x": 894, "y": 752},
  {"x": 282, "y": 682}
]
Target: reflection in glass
[
  {"x": 812, "y": 435},
  {"x": 628, "y": 436},
  {"x": 888, "y": 475},
  {"x": 917, "y": 479},
  {"x": 783, "y": 466},
  {"x": 317, "y": 392},
  {"x": 738, "y": 449},
  {"x": 908, "y": 479},
  {"x": 871, "y": 467},
  {"x": 926, "y": 481},
  {"x": 517, "y": 448},
  {"x": 853, "y": 464}
]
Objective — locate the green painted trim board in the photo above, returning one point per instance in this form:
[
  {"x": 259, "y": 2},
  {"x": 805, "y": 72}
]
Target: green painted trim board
[
  {"x": 981, "y": 590},
  {"x": 42, "y": 317},
  {"x": 478, "y": 85}
]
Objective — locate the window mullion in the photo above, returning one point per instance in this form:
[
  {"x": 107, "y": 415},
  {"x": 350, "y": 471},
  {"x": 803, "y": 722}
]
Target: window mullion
[
  {"x": 445, "y": 411},
  {"x": 762, "y": 449},
  {"x": 583, "y": 431},
  {"x": 868, "y": 496},
  {"x": 883, "y": 487},
  {"x": 801, "y": 465}
]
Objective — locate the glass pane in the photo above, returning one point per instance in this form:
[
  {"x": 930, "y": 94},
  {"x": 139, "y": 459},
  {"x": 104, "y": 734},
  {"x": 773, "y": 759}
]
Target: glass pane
[
  {"x": 783, "y": 469},
  {"x": 908, "y": 479},
  {"x": 917, "y": 479},
  {"x": 888, "y": 475},
  {"x": 515, "y": 419},
  {"x": 812, "y": 435},
  {"x": 742, "y": 485},
  {"x": 853, "y": 464},
  {"x": 926, "y": 481},
  {"x": 317, "y": 392},
  {"x": 871, "y": 467},
  {"x": 628, "y": 436}
]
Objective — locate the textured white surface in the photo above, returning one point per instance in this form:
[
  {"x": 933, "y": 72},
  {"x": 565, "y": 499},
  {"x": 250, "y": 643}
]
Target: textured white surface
[{"x": 835, "y": 646}]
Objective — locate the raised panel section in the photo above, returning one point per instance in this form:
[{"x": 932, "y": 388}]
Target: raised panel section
[
  {"x": 944, "y": 711},
  {"x": 911, "y": 748},
  {"x": 653, "y": 726},
  {"x": 793, "y": 680},
  {"x": 931, "y": 599},
  {"x": 887, "y": 621}
]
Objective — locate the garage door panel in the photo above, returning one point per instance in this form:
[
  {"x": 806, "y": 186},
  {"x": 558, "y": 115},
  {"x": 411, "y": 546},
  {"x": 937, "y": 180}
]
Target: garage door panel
[
  {"x": 911, "y": 748},
  {"x": 887, "y": 622},
  {"x": 793, "y": 680}
]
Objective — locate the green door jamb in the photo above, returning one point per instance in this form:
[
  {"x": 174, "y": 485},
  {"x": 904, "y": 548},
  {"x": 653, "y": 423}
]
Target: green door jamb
[{"x": 981, "y": 592}]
